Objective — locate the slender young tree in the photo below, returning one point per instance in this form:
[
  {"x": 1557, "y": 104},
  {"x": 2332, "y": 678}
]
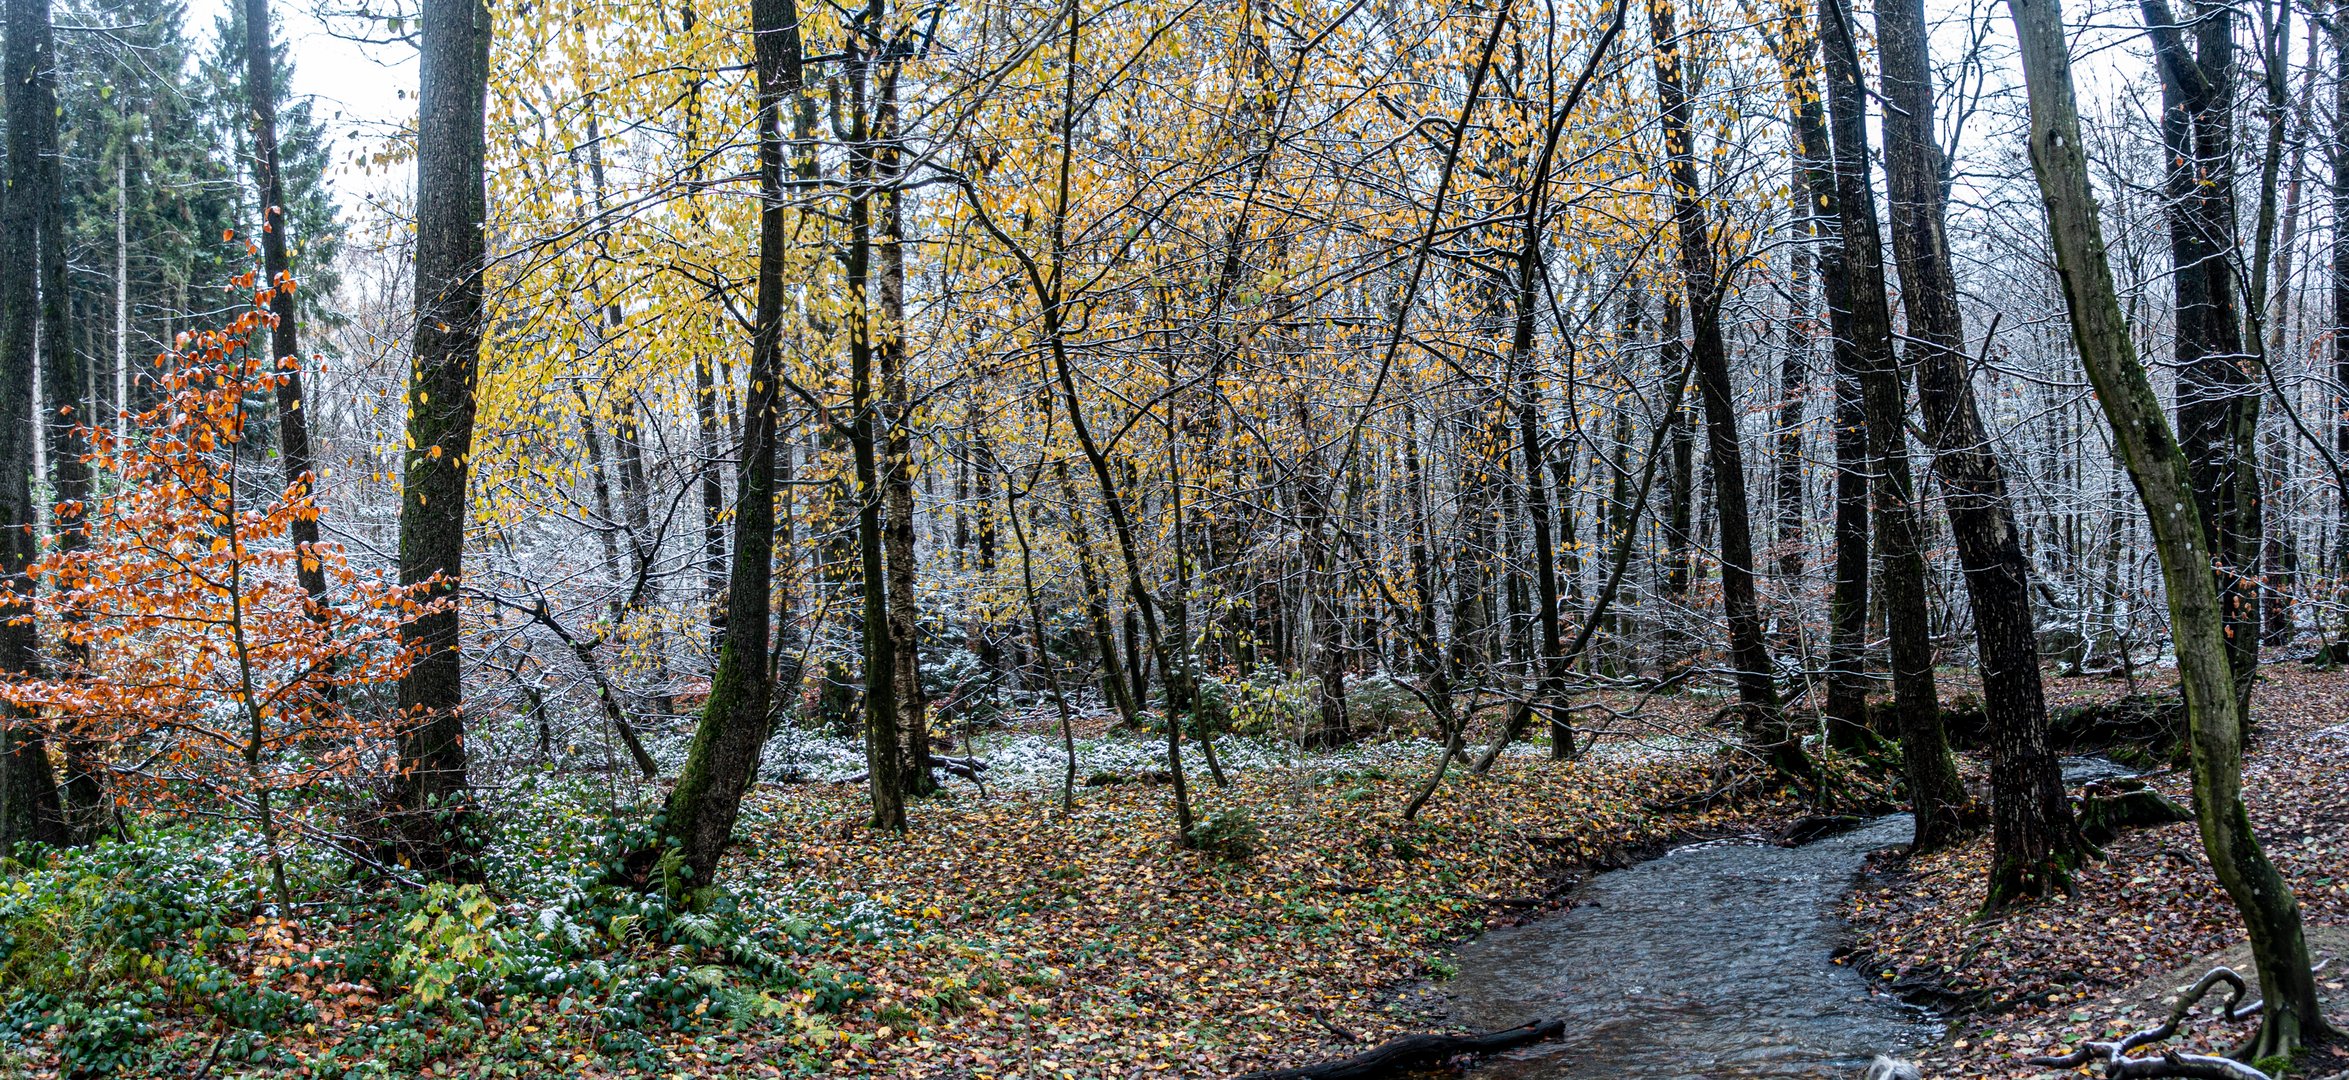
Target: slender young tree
[
  {"x": 451, "y": 257},
  {"x": 293, "y": 425},
  {"x": 2158, "y": 466}
]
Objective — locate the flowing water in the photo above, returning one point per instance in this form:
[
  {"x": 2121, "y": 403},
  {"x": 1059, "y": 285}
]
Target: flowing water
[{"x": 1711, "y": 962}]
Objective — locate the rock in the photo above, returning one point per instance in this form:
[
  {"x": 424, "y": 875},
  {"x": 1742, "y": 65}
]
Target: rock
[
  {"x": 1884, "y": 1068},
  {"x": 2109, "y": 807}
]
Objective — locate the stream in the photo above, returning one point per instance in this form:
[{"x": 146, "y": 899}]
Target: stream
[{"x": 1711, "y": 962}]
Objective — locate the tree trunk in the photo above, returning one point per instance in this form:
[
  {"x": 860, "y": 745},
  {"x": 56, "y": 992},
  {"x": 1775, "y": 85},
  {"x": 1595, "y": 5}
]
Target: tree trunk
[
  {"x": 293, "y": 425},
  {"x": 1794, "y": 376},
  {"x": 1846, "y": 705},
  {"x": 1936, "y": 795},
  {"x": 1326, "y": 643},
  {"x": 2218, "y": 401},
  {"x": 711, "y": 448},
  {"x": 29, "y": 806},
  {"x": 2339, "y": 151},
  {"x": 1749, "y": 654},
  {"x": 868, "y": 442},
  {"x": 2034, "y": 839},
  {"x": 898, "y": 473},
  {"x": 451, "y": 257},
  {"x": 724, "y": 756},
  {"x": 2165, "y": 483}
]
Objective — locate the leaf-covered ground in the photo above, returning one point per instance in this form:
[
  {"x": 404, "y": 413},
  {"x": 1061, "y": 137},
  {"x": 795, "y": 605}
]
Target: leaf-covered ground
[
  {"x": 1041, "y": 944},
  {"x": 1003, "y": 937},
  {"x": 2144, "y": 921}
]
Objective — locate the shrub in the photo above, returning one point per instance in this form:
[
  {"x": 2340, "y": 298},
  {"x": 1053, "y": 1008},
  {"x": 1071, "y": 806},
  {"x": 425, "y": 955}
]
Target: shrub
[
  {"x": 1230, "y": 835},
  {"x": 1376, "y": 702},
  {"x": 454, "y": 948}
]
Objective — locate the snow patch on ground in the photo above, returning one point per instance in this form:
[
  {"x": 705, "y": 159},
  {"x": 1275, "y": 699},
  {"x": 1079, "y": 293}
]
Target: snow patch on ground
[{"x": 1027, "y": 761}]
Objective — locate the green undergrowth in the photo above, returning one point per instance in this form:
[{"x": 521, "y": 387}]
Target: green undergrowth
[{"x": 153, "y": 955}]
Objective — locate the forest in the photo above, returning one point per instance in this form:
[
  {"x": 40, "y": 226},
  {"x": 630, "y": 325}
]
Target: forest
[{"x": 1292, "y": 539}]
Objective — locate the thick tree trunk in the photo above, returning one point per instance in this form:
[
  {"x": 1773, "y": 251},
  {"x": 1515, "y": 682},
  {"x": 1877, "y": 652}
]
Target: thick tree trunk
[
  {"x": 2035, "y": 842},
  {"x": 2165, "y": 483},
  {"x": 1936, "y": 795},
  {"x": 451, "y": 257},
  {"x": 724, "y": 755},
  {"x": 29, "y": 805},
  {"x": 2218, "y": 400},
  {"x": 1749, "y": 654}
]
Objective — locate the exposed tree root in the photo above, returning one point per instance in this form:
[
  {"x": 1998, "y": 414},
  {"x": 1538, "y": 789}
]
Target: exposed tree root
[{"x": 2114, "y": 1056}]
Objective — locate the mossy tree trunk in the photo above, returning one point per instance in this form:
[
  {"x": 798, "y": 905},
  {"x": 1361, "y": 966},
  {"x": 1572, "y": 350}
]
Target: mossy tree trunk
[
  {"x": 2165, "y": 483},
  {"x": 724, "y": 756}
]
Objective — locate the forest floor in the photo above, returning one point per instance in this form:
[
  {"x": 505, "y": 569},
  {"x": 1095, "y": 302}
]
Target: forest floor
[
  {"x": 2143, "y": 922},
  {"x": 1006, "y": 937},
  {"x": 1001, "y": 937}
]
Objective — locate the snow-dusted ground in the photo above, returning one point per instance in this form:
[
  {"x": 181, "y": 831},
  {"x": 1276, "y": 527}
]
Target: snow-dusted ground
[{"x": 1027, "y": 760}]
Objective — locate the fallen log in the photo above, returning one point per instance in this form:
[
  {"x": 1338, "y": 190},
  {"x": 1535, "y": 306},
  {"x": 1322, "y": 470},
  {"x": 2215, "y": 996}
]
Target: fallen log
[{"x": 1411, "y": 1052}]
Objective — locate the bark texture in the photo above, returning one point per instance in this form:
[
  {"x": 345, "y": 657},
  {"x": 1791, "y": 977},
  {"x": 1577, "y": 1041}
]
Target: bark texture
[
  {"x": 2165, "y": 483},
  {"x": 2035, "y": 841}
]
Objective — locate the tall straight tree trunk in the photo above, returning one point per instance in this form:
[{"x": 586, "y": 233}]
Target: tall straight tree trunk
[
  {"x": 867, "y": 437},
  {"x": 898, "y": 475},
  {"x": 1936, "y": 795},
  {"x": 451, "y": 257},
  {"x": 724, "y": 756},
  {"x": 293, "y": 425},
  {"x": 2339, "y": 151},
  {"x": 29, "y": 805},
  {"x": 1749, "y": 655},
  {"x": 1847, "y": 603},
  {"x": 2165, "y": 484},
  {"x": 2034, "y": 839},
  {"x": 1794, "y": 376},
  {"x": 710, "y": 472},
  {"x": 2218, "y": 401},
  {"x": 712, "y": 444},
  {"x": 122, "y": 399},
  {"x": 65, "y": 381}
]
